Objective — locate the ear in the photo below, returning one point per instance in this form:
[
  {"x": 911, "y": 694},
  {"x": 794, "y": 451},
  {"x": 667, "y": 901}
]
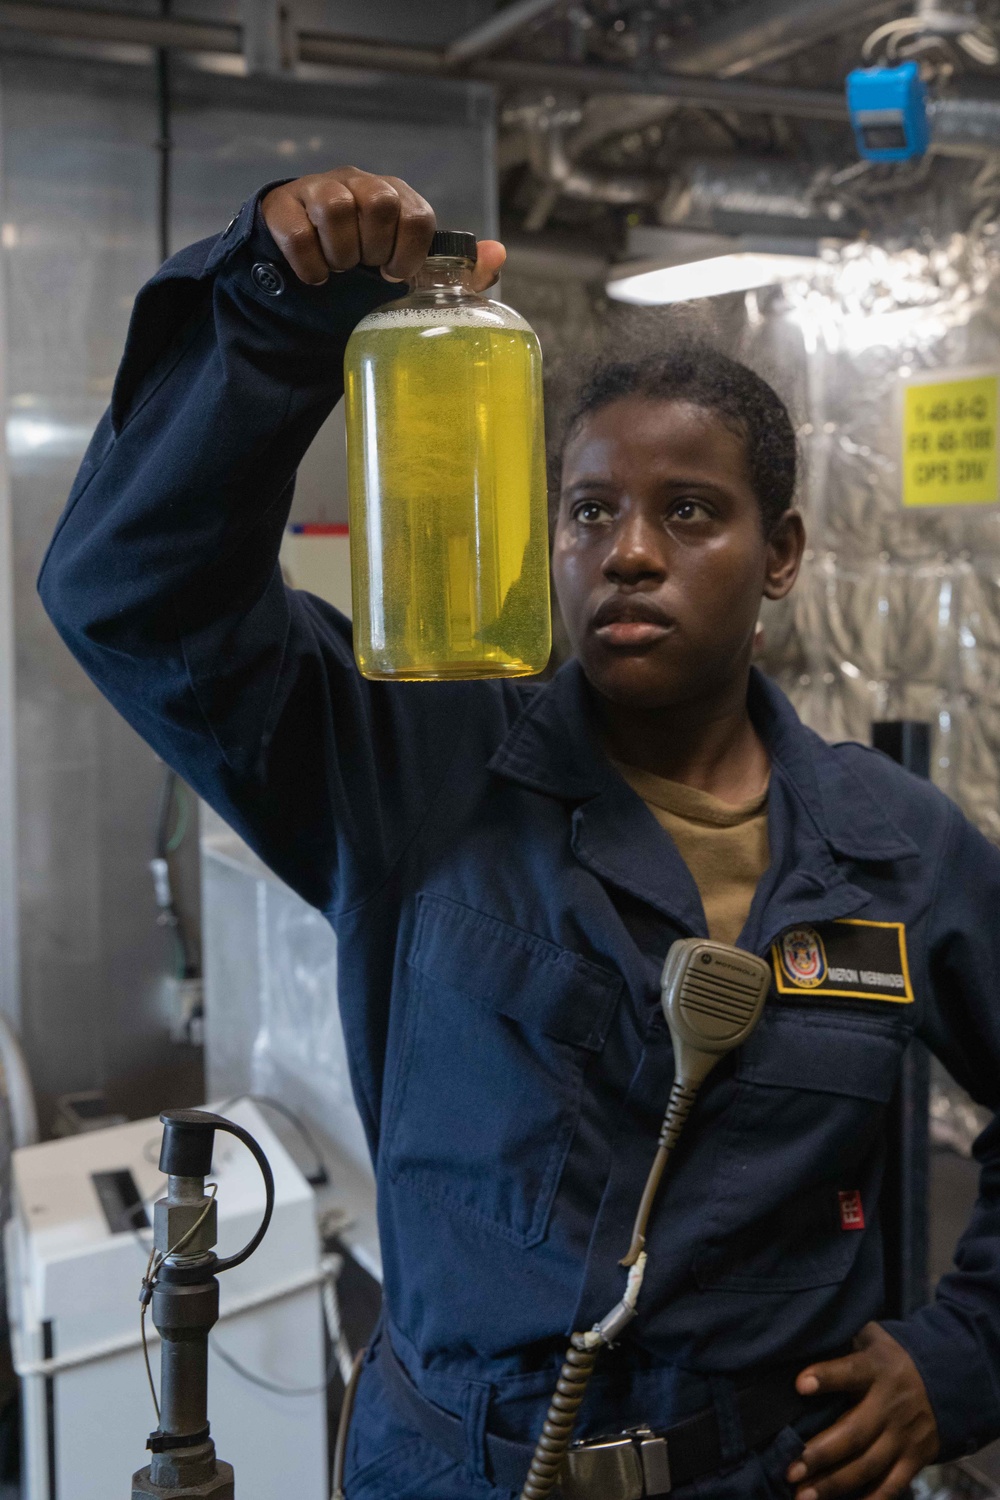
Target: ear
[{"x": 785, "y": 547}]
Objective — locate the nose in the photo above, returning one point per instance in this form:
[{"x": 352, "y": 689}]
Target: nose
[{"x": 634, "y": 553}]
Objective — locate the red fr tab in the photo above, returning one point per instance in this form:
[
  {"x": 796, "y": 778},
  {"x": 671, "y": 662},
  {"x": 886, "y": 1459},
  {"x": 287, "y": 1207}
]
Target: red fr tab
[{"x": 852, "y": 1211}]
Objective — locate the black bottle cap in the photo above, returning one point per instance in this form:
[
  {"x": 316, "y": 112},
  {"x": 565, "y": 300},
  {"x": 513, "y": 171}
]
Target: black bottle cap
[{"x": 454, "y": 242}]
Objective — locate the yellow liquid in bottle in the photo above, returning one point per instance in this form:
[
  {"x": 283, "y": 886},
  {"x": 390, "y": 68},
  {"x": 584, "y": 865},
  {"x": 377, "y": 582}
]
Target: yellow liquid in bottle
[{"x": 446, "y": 467}]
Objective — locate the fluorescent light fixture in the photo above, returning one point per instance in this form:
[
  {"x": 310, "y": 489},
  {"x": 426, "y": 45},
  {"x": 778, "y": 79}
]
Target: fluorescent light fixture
[{"x": 711, "y": 277}]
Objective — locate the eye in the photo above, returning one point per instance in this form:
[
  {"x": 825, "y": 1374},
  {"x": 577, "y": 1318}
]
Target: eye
[
  {"x": 589, "y": 512},
  {"x": 689, "y": 510}
]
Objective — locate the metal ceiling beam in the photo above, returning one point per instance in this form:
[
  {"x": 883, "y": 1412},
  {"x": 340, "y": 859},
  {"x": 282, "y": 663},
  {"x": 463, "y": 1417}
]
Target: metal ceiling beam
[
  {"x": 68, "y": 23},
  {"x": 379, "y": 57},
  {"x": 763, "y": 31},
  {"x": 743, "y": 95},
  {"x": 499, "y": 29}
]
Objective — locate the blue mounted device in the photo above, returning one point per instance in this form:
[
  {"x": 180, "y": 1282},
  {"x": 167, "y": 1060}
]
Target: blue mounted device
[{"x": 888, "y": 109}]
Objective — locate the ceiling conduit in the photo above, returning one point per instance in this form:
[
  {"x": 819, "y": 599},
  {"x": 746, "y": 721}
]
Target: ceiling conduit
[
  {"x": 763, "y": 31},
  {"x": 499, "y": 29},
  {"x": 69, "y": 23}
]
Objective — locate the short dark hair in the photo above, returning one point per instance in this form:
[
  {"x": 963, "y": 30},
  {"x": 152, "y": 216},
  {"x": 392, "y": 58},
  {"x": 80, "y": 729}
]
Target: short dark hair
[{"x": 694, "y": 371}]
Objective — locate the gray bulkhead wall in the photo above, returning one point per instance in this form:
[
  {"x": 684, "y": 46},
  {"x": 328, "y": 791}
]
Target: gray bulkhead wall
[
  {"x": 897, "y": 614},
  {"x": 78, "y": 184},
  {"x": 78, "y": 164}
]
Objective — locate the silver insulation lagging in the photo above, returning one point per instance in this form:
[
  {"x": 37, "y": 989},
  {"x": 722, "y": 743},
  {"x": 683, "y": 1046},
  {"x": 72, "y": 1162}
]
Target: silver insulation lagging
[
  {"x": 897, "y": 612},
  {"x": 712, "y": 997}
]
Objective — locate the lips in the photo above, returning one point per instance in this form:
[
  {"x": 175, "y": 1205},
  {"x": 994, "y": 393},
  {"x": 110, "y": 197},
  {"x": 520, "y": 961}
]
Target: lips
[{"x": 630, "y": 624}]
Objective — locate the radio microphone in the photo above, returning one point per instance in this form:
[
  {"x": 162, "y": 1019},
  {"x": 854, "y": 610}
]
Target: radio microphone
[{"x": 712, "y": 997}]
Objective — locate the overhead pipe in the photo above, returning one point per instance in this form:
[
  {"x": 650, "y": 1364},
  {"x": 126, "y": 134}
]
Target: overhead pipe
[
  {"x": 595, "y": 120},
  {"x": 755, "y": 188},
  {"x": 499, "y": 29},
  {"x": 764, "y": 31},
  {"x": 72, "y": 24},
  {"x": 738, "y": 94},
  {"x": 562, "y": 177},
  {"x": 701, "y": 187},
  {"x": 965, "y": 126},
  {"x": 614, "y": 115}
]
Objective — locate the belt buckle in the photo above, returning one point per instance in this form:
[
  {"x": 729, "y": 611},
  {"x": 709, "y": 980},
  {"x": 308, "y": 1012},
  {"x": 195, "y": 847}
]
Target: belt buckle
[{"x": 627, "y": 1467}]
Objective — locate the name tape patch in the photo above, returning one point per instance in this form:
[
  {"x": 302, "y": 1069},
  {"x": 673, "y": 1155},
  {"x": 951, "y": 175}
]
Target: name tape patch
[{"x": 849, "y": 959}]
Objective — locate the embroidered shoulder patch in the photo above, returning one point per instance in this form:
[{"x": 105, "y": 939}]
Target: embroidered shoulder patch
[{"x": 849, "y": 959}]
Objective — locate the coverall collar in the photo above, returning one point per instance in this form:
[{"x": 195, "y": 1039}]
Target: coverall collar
[{"x": 820, "y": 807}]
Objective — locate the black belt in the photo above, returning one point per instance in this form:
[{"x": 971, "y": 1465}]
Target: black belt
[{"x": 626, "y": 1467}]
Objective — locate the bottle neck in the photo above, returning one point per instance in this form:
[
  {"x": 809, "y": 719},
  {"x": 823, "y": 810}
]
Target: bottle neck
[{"x": 445, "y": 278}]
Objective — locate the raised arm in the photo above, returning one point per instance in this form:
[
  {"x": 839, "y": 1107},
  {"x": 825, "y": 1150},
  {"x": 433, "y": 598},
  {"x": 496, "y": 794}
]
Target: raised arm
[{"x": 163, "y": 575}]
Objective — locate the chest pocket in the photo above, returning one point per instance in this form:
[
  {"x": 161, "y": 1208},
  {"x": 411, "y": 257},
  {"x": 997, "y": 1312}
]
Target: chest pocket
[
  {"x": 806, "y": 1127},
  {"x": 486, "y": 1096}
]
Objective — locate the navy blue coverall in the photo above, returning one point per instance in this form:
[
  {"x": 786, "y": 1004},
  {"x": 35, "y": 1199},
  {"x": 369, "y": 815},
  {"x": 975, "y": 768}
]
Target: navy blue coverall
[{"x": 503, "y": 903}]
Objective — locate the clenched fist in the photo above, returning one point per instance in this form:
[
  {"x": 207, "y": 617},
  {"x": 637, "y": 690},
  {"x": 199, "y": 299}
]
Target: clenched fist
[{"x": 332, "y": 221}]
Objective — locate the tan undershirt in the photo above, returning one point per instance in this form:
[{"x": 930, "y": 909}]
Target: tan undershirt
[{"x": 724, "y": 847}]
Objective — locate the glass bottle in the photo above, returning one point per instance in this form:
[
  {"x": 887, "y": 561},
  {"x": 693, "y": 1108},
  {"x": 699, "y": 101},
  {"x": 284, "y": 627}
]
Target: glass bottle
[{"x": 446, "y": 470}]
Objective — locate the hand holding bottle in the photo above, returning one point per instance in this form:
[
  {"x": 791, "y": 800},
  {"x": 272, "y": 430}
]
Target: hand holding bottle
[
  {"x": 333, "y": 221},
  {"x": 445, "y": 436}
]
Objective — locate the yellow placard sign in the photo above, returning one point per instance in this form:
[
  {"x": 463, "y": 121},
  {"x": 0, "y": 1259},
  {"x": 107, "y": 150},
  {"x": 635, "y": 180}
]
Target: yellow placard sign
[{"x": 950, "y": 442}]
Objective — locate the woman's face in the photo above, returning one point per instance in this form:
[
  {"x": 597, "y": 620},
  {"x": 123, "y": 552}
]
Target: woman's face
[{"x": 660, "y": 559}]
